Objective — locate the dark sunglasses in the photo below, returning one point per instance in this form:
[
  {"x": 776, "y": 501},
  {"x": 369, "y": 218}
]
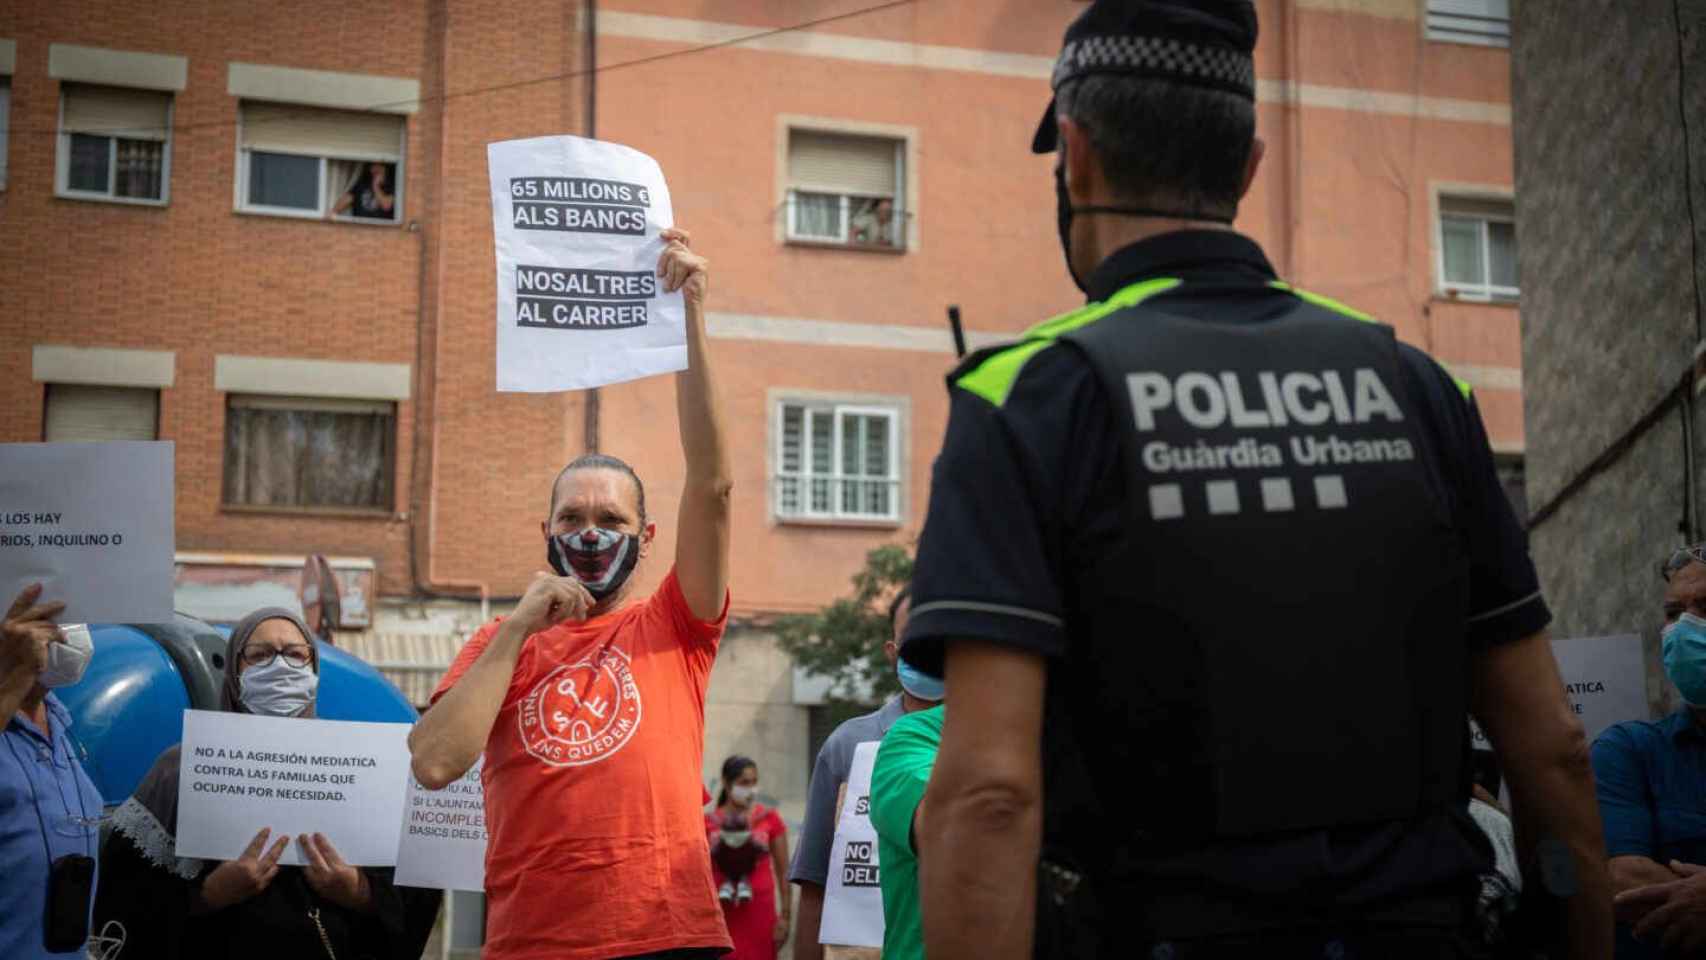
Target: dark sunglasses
[{"x": 1682, "y": 558}]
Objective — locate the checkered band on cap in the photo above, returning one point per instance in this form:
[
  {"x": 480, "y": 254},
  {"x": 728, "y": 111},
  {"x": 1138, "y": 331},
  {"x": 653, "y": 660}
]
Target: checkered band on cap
[{"x": 1157, "y": 56}]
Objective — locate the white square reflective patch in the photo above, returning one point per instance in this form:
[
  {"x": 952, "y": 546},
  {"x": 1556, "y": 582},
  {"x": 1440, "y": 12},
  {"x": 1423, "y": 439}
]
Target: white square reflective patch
[
  {"x": 1276, "y": 494},
  {"x": 1330, "y": 492},
  {"x": 1222, "y": 497},
  {"x": 1166, "y": 501}
]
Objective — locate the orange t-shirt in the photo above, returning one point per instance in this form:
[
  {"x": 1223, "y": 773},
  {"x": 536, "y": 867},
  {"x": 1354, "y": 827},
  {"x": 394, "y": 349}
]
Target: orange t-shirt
[{"x": 597, "y": 837}]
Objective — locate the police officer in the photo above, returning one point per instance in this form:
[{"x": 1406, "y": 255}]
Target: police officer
[{"x": 1215, "y": 567}]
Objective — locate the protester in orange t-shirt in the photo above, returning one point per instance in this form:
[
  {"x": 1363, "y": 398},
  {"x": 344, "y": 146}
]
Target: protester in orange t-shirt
[{"x": 591, "y": 712}]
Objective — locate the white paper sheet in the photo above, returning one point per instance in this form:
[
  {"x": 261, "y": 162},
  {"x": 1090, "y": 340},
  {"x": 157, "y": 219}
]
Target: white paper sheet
[
  {"x": 579, "y": 303},
  {"x": 342, "y": 778},
  {"x": 853, "y": 901},
  {"x": 443, "y": 843},
  {"x": 92, "y": 522},
  {"x": 1605, "y": 679}
]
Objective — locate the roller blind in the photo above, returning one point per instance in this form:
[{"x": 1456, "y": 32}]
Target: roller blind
[
  {"x": 116, "y": 112},
  {"x": 80, "y": 412},
  {"x": 838, "y": 163},
  {"x": 316, "y": 131}
]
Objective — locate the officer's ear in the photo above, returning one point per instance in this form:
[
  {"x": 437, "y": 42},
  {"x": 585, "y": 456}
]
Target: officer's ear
[
  {"x": 1078, "y": 162},
  {"x": 1258, "y": 149}
]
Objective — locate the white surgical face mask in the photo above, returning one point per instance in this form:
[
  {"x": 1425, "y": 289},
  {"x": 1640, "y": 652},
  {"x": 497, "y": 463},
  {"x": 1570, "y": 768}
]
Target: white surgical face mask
[
  {"x": 278, "y": 689},
  {"x": 67, "y": 659},
  {"x": 740, "y": 794}
]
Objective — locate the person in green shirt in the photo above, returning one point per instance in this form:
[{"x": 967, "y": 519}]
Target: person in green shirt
[{"x": 898, "y": 780}]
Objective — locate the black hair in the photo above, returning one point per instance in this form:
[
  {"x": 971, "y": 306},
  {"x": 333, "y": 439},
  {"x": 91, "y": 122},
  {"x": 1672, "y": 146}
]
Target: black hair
[
  {"x": 733, "y": 767},
  {"x": 1165, "y": 145},
  {"x": 599, "y": 461},
  {"x": 900, "y": 596}
]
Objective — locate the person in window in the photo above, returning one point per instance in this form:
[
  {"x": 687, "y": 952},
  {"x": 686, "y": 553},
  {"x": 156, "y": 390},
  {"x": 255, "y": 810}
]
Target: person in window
[
  {"x": 48, "y": 805},
  {"x": 250, "y": 907},
  {"x": 873, "y": 225},
  {"x": 371, "y": 196}
]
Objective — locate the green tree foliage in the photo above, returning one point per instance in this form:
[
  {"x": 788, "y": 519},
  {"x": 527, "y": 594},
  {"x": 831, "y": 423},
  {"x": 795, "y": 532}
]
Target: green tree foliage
[{"x": 844, "y": 641}]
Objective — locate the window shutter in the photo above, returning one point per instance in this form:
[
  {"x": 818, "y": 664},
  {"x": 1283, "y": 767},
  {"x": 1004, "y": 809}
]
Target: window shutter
[
  {"x": 1486, "y": 22},
  {"x": 116, "y": 112},
  {"x": 316, "y": 131},
  {"x": 837, "y": 163},
  {"x": 1483, "y": 209},
  {"x": 78, "y": 412}
]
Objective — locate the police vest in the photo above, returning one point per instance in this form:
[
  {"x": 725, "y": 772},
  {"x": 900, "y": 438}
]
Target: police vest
[{"x": 1293, "y": 576}]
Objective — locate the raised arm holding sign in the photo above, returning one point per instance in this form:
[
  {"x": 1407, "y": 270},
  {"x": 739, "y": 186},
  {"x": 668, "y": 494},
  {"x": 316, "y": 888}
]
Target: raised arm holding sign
[{"x": 590, "y": 709}]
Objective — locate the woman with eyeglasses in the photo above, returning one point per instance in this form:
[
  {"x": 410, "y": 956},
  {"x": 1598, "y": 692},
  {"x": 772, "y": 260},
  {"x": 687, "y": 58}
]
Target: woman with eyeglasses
[{"x": 251, "y": 907}]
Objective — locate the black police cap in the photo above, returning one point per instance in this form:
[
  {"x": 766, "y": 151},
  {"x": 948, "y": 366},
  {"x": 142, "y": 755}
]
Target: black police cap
[{"x": 1205, "y": 43}]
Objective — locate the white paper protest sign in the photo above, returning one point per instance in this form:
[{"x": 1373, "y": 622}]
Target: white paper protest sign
[
  {"x": 1605, "y": 680},
  {"x": 92, "y": 522},
  {"x": 853, "y": 900},
  {"x": 575, "y": 224},
  {"x": 443, "y": 844},
  {"x": 239, "y": 772}
]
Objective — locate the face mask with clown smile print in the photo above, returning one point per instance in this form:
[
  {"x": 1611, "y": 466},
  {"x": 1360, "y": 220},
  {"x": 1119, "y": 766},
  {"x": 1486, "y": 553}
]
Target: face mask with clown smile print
[{"x": 601, "y": 559}]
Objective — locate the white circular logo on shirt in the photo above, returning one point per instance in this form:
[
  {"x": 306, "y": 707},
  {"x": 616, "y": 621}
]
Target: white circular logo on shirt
[{"x": 581, "y": 713}]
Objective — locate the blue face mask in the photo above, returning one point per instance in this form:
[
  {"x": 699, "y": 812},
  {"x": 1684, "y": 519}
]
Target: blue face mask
[
  {"x": 1684, "y": 650},
  {"x": 918, "y": 683}
]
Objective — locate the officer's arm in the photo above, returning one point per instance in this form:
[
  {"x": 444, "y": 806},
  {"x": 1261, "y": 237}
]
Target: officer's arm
[
  {"x": 977, "y": 863},
  {"x": 1515, "y": 691}
]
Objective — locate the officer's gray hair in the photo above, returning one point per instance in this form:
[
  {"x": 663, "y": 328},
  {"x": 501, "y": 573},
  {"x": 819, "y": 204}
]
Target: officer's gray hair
[{"x": 1165, "y": 145}]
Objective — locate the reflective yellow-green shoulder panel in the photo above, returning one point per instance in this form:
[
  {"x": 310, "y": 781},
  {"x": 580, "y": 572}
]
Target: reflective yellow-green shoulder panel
[
  {"x": 993, "y": 378},
  {"x": 1463, "y": 386}
]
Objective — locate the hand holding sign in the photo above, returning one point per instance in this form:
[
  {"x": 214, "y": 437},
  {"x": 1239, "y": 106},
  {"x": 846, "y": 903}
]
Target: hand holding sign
[
  {"x": 235, "y": 881},
  {"x": 24, "y": 637},
  {"x": 330, "y": 876},
  {"x": 683, "y": 270}
]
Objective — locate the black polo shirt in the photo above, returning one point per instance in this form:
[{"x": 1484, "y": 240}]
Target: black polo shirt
[{"x": 1028, "y": 496}]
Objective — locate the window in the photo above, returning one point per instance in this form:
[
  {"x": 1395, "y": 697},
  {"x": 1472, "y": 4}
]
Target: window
[
  {"x": 1485, "y": 23},
  {"x": 114, "y": 143},
  {"x": 315, "y": 162},
  {"x": 846, "y": 190},
  {"x": 1477, "y": 249},
  {"x": 838, "y": 462},
  {"x": 81, "y": 412},
  {"x": 5, "y": 118},
  {"x": 303, "y": 452}
]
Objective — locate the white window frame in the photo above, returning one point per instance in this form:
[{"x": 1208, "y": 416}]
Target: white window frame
[
  {"x": 321, "y": 211},
  {"x": 1485, "y": 292},
  {"x": 1447, "y": 12},
  {"x": 838, "y": 411},
  {"x": 62, "y": 161},
  {"x": 902, "y": 215}
]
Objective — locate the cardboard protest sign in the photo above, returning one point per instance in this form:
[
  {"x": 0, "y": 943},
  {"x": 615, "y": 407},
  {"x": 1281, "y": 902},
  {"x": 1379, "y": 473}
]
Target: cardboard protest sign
[
  {"x": 241, "y": 772},
  {"x": 579, "y": 302},
  {"x": 93, "y": 523},
  {"x": 853, "y": 900},
  {"x": 443, "y": 844}
]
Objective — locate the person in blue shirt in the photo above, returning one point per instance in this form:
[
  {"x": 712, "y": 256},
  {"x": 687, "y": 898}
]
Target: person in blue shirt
[
  {"x": 1651, "y": 780},
  {"x": 49, "y": 808}
]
